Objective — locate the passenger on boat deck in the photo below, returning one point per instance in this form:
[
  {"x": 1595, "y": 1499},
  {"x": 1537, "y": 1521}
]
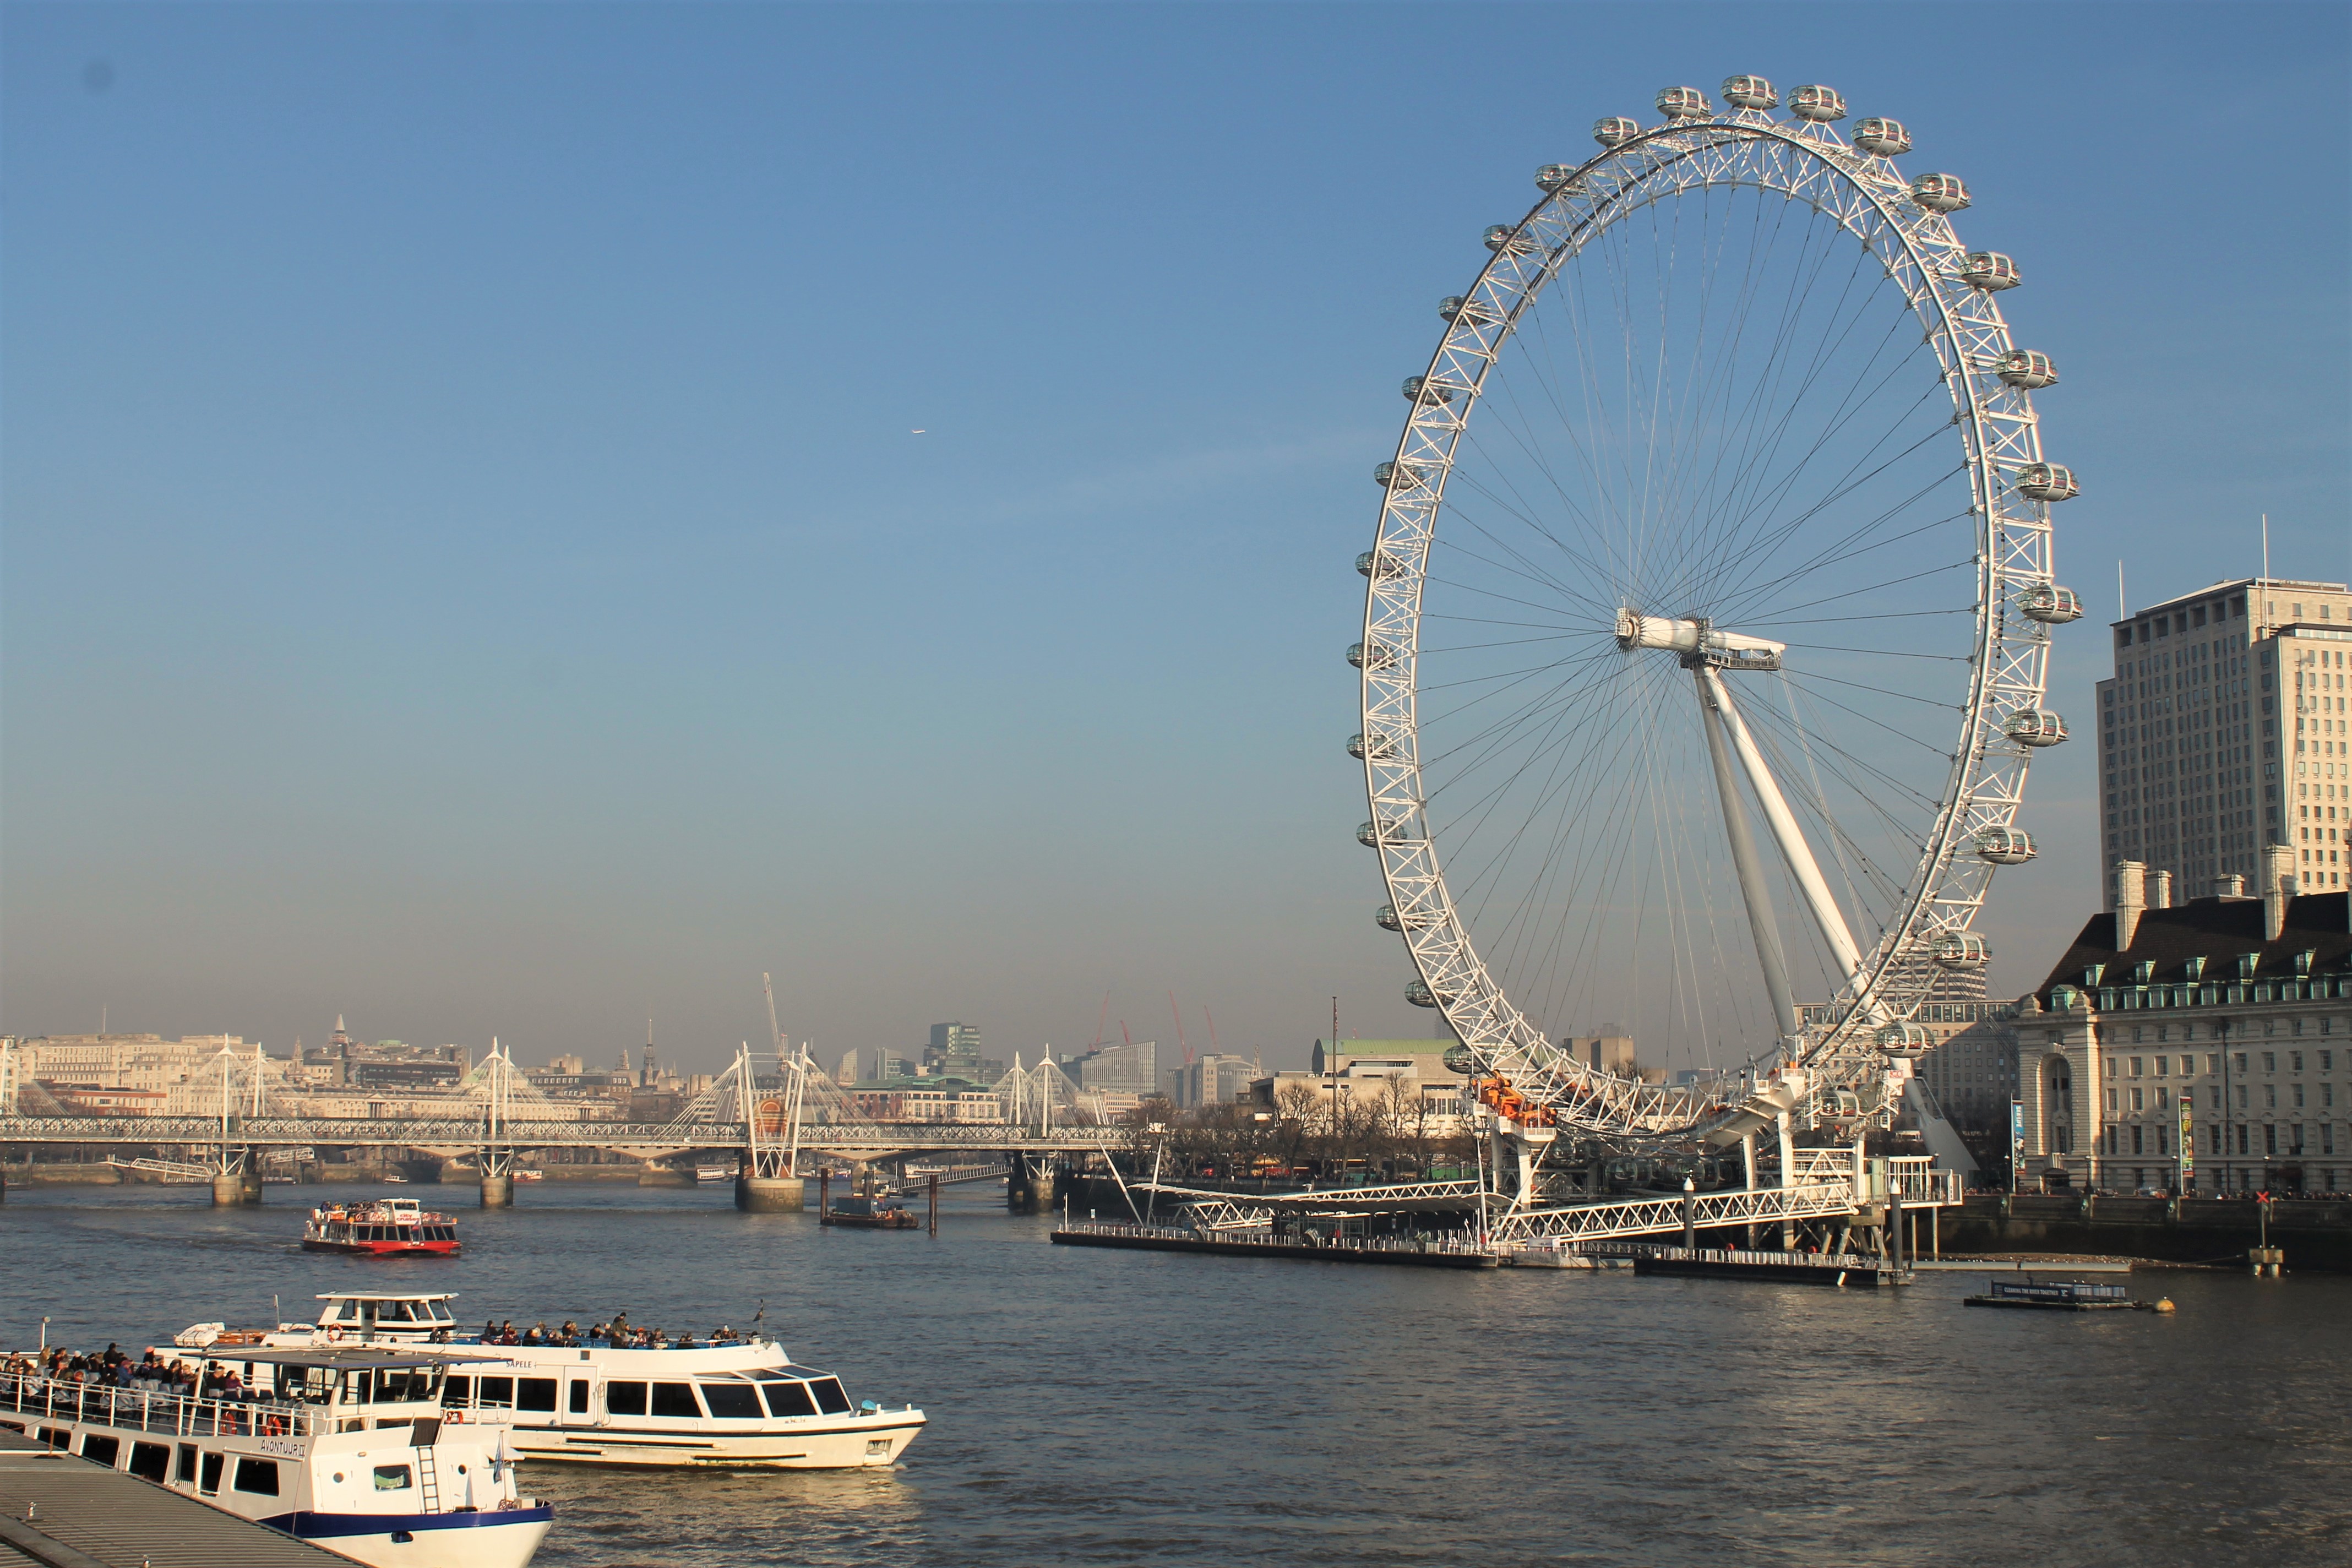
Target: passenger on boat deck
[
  {"x": 571, "y": 1332},
  {"x": 490, "y": 1332}
]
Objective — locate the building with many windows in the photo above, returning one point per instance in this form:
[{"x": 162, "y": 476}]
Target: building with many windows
[
  {"x": 2227, "y": 727},
  {"x": 2203, "y": 1047}
]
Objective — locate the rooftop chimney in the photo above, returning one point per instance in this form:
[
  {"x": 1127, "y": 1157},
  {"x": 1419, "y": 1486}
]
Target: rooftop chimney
[
  {"x": 2278, "y": 886},
  {"x": 2230, "y": 886},
  {"x": 2159, "y": 889},
  {"x": 2131, "y": 897}
]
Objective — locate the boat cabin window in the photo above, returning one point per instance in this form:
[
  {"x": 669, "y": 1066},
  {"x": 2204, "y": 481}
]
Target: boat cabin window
[
  {"x": 579, "y": 1396},
  {"x": 438, "y": 1311},
  {"x": 788, "y": 1398},
  {"x": 345, "y": 1312},
  {"x": 731, "y": 1401},
  {"x": 390, "y": 1311},
  {"x": 829, "y": 1396},
  {"x": 393, "y": 1478},
  {"x": 535, "y": 1393},
  {"x": 496, "y": 1390},
  {"x": 311, "y": 1384},
  {"x": 676, "y": 1399},
  {"x": 258, "y": 1475},
  {"x": 208, "y": 1482},
  {"x": 186, "y": 1470},
  {"x": 100, "y": 1450},
  {"x": 151, "y": 1462},
  {"x": 625, "y": 1398},
  {"x": 458, "y": 1390}
]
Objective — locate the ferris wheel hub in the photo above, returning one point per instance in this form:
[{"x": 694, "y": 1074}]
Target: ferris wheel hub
[{"x": 1697, "y": 641}]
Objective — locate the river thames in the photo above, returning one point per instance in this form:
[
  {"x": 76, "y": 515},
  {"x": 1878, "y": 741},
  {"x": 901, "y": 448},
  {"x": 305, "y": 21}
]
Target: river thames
[{"x": 1111, "y": 1407}]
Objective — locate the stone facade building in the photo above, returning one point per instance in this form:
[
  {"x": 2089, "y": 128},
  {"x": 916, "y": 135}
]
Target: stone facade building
[{"x": 2201, "y": 1047}]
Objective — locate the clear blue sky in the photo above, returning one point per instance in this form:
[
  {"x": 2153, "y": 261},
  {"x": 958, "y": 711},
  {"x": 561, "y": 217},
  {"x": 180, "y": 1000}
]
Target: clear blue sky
[{"x": 467, "y": 566}]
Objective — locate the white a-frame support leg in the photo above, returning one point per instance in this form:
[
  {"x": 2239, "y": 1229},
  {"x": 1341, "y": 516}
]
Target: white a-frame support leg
[
  {"x": 1828, "y": 919},
  {"x": 1751, "y": 866}
]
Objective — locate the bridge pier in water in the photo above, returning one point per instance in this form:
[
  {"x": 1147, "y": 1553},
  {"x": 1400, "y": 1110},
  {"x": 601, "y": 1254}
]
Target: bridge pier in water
[
  {"x": 497, "y": 1192},
  {"x": 769, "y": 1194},
  {"x": 238, "y": 1189},
  {"x": 1030, "y": 1187}
]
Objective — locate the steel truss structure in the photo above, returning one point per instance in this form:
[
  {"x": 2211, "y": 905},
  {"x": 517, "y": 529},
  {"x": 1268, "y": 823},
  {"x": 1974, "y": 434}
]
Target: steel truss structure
[{"x": 1993, "y": 422}]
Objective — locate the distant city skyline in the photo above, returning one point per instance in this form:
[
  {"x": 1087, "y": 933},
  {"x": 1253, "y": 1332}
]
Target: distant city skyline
[{"x": 470, "y": 565}]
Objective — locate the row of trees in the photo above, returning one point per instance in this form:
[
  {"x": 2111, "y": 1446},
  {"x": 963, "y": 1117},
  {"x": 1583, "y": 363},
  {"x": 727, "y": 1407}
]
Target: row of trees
[{"x": 1391, "y": 1131}]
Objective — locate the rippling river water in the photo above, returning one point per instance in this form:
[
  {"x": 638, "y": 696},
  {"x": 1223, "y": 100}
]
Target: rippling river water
[{"x": 1109, "y": 1408}]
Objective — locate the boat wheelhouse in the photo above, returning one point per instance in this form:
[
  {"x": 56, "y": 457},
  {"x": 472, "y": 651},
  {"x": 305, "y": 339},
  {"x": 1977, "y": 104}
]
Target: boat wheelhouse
[
  {"x": 350, "y": 1448},
  {"x": 386, "y": 1227},
  {"x": 739, "y": 1402}
]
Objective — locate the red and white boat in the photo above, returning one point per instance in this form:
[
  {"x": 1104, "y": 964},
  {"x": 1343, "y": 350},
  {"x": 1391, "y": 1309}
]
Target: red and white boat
[{"x": 388, "y": 1226}]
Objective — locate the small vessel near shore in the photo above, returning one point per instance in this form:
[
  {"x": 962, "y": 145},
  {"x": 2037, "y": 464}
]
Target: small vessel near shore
[
  {"x": 711, "y": 1176},
  {"x": 2055, "y": 1296},
  {"x": 732, "y": 1400},
  {"x": 388, "y": 1228},
  {"x": 348, "y": 1448}
]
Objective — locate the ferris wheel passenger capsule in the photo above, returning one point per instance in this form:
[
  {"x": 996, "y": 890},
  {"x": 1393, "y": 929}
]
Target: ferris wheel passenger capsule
[
  {"x": 1377, "y": 746},
  {"x": 1454, "y": 308},
  {"x": 1396, "y": 476},
  {"x": 2034, "y": 727},
  {"x": 1990, "y": 271},
  {"x": 1503, "y": 239},
  {"x": 1903, "y": 1039},
  {"x": 1415, "y": 385},
  {"x": 1962, "y": 950},
  {"x": 1615, "y": 130},
  {"x": 1418, "y": 994},
  {"x": 2005, "y": 846},
  {"x": 1883, "y": 136},
  {"x": 1817, "y": 103},
  {"x": 1940, "y": 193},
  {"x": 1379, "y": 563},
  {"x": 2047, "y": 481},
  {"x": 1749, "y": 92},
  {"x": 1371, "y": 656},
  {"x": 1387, "y": 918},
  {"x": 1372, "y": 834},
  {"x": 2048, "y": 603},
  {"x": 1556, "y": 176},
  {"x": 2025, "y": 368},
  {"x": 1683, "y": 103}
]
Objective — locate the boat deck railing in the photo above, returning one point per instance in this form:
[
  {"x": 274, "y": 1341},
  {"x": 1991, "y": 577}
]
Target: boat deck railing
[
  {"x": 179, "y": 1414},
  {"x": 1237, "y": 1239}
]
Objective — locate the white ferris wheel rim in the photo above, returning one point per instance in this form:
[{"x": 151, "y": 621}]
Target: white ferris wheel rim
[{"x": 1806, "y": 162}]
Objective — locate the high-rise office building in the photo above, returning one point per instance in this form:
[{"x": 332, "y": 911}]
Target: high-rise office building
[
  {"x": 2225, "y": 729},
  {"x": 954, "y": 1051}
]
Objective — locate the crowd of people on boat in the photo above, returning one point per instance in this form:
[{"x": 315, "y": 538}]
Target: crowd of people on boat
[
  {"x": 115, "y": 1367},
  {"x": 620, "y": 1333}
]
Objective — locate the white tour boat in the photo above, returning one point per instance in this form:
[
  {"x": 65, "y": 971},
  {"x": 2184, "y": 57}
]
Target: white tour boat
[
  {"x": 348, "y": 1448},
  {"x": 739, "y": 1403}
]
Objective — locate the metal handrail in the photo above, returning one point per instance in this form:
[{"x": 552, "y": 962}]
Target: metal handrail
[{"x": 149, "y": 1410}]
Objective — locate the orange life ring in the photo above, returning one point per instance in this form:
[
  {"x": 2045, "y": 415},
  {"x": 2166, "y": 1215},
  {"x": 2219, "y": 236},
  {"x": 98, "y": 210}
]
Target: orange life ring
[
  {"x": 334, "y": 1336},
  {"x": 454, "y": 1418}
]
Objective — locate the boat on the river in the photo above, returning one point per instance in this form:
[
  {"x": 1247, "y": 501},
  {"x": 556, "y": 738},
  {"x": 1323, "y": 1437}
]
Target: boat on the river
[
  {"x": 711, "y": 1176},
  {"x": 2055, "y": 1296},
  {"x": 348, "y": 1447},
  {"x": 388, "y": 1228},
  {"x": 730, "y": 1400},
  {"x": 868, "y": 1213}
]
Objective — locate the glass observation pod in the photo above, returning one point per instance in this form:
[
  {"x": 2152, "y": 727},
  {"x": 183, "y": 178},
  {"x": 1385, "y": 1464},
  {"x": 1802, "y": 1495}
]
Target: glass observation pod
[
  {"x": 2036, "y": 726},
  {"x": 1396, "y": 476},
  {"x": 1614, "y": 131},
  {"x": 1556, "y": 177},
  {"x": 1460, "y": 1059},
  {"x": 1817, "y": 103},
  {"x": 1940, "y": 193},
  {"x": 1379, "y": 747},
  {"x": 2050, "y": 603},
  {"x": 1454, "y": 308},
  {"x": 1379, "y": 563},
  {"x": 2029, "y": 369},
  {"x": 1504, "y": 238},
  {"x": 1962, "y": 950},
  {"x": 2047, "y": 481},
  {"x": 2005, "y": 846},
  {"x": 1370, "y": 834},
  {"x": 1371, "y": 656},
  {"x": 1883, "y": 136},
  {"x": 1990, "y": 271},
  {"x": 1904, "y": 1039},
  {"x": 1683, "y": 103},
  {"x": 1749, "y": 92},
  {"x": 1414, "y": 386},
  {"x": 1418, "y": 994}
]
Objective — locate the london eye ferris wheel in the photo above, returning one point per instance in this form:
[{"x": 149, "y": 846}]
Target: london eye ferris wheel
[{"x": 1706, "y": 626}]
